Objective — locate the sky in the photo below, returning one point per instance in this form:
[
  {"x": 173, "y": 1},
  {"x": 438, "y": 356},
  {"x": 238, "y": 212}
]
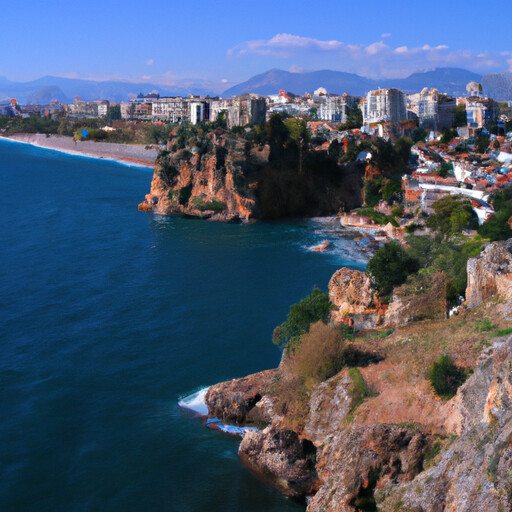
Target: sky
[{"x": 225, "y": 42}]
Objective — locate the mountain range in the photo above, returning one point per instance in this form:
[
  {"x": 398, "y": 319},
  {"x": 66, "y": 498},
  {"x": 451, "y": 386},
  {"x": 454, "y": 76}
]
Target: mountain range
[{"x": 451, "y": 81}]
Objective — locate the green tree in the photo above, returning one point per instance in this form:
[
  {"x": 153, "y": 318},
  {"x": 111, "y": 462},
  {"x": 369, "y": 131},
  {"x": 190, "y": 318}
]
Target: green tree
[
  {"x": 311, "y": 309},
  {"x": 452, "y": 215},
  {"x": 459, "y": 117},
  {"x": 482, "y": 143},
  {"x": 390, "y": 267},
  {"x": 419, "y": 134},
  {"x": 446, "y": 169},
  {"x": 447, "y": 135},
  {"x": 114, "y": 113},
  {"x": 446, "y": 377},
  {"x": 354, "y": 119},
  {"x": 277, "y": 136}
]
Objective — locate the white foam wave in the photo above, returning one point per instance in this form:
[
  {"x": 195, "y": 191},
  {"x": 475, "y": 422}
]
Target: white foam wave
[{"x": 195, "y": 402}]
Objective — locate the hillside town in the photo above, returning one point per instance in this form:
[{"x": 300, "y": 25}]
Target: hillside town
[{"x": 462, "y": 145}]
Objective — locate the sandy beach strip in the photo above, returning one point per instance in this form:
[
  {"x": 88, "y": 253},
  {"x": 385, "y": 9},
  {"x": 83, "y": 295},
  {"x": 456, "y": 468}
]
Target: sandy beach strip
[{"x": 131, "y": 154}]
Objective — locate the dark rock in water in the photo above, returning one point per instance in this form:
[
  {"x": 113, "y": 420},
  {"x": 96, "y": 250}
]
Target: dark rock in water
[
  {"x": 238, "y": 401},
  {"x": 281, "y": 459}
]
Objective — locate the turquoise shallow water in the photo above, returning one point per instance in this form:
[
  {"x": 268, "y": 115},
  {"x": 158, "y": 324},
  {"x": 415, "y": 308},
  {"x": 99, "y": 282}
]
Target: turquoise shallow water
[{"x": 108, "y": 316}]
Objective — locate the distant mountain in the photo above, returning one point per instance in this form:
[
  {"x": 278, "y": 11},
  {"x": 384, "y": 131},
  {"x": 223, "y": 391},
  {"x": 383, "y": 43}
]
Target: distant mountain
[
  {"x": 48, "y": 88},
  {"x": 448, "y": 80},
  {"x": 270, "y": 82},
  {"x": 451, "y": 81},
  {"x": 498, "y": 86}
]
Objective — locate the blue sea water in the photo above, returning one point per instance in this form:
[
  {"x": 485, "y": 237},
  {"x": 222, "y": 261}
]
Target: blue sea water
[{"x": 109, "y": 316}]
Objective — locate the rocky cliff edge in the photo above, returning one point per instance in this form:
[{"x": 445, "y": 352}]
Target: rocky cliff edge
[{"x": 377, "y": 437}]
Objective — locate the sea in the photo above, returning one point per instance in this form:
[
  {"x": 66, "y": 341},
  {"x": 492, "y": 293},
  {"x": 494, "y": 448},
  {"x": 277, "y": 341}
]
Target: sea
[{"x": 110, "y": 317}]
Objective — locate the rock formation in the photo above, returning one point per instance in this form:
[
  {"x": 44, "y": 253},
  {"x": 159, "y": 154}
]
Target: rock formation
[
  {"x": 223, "y": 176},
  {"x": 475, "y": 472},
  {"x": 357, "y": 303},
  {"x": 206, "y": 182},
  {"x": 490, "y": 274},
  {"x": 386, "y": 454}
]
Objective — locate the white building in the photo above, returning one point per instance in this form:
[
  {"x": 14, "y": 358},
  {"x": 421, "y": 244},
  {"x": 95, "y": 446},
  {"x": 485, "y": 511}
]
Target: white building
[{"x": 384, "y": 105}]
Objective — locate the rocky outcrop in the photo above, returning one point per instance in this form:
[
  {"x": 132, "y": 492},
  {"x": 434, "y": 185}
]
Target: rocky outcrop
[
  {"x": 351, "y": 292},
  {"x": 229, "y": 177},
  {"x": 357, "y": 303},
  {"x": 359, "y": 445},
  {"x": 208, "y": 182},
  {"x": 420, "y": 298},
  {"x": 474, "y": 472},
  {"x": 242, "y": 400},
  {"x": 359, "y": 460},
  {"x": 282, "y": 459},
  {"x": 490, "y": 274}
]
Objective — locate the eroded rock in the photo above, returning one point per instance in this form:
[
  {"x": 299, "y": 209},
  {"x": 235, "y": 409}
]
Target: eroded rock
[
  {"x": 474, "y": 472},
  {"x": 351, "y": 292},
  {"x": 243, "y": 400},
  {"x": 490, "y": 274},
  {"x": 282, "y": 459}
]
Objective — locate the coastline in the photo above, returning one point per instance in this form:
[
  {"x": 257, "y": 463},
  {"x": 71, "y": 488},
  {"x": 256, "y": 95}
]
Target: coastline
[{"x": 126, "y": 154}]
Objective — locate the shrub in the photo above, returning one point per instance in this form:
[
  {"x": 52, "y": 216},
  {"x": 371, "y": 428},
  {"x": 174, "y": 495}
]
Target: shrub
[
  {"x": 485, "y": 325},
  {"x": 446, "y": 377},
  {"x": 319, "y": 356},
  {"x": 310, "y": 309},
  {"x": 184, "y": 195},
  {"x": 452, "y": 215},
  {"x": 212, "y": 205},
  {"x": 390, "y": 267}
]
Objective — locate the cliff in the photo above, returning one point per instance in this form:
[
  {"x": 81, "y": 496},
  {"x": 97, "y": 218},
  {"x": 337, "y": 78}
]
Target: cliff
[
  {"x": 224, "y": 176},
  {"x": 375, "y": 436}
]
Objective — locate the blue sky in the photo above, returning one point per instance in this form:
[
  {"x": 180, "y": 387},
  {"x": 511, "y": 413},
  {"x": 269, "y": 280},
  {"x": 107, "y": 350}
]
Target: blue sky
[{"x": 228, "y": 41}]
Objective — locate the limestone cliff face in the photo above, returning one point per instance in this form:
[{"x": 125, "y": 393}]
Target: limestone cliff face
[
  {"x": 223, "y": 176},
  {"x": 437, "y": 456},
  {"x": 490, "y": 274},
  {"x": 357, "y": 303},
  {"x": 209, "y": 182},
  {"x": 474, "y": 473}
]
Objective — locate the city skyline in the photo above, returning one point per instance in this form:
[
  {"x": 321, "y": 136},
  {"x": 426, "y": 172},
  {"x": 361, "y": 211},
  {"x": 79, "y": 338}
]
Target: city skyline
[{"x": 229, "y": 42}]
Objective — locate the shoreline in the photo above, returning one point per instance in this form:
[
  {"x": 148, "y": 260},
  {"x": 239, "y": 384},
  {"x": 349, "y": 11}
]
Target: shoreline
[{"x": 133, "y": 155}]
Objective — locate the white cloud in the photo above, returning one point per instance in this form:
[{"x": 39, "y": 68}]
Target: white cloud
[
  {"x": 376, "y": 59},
  {"x": 375, "y": 48},
  {"x": 296, "y": 69},
  {"x": 150, "y": 62},
  {"x": 509, "y": 62},
  {"x": 386, "y": 34}
]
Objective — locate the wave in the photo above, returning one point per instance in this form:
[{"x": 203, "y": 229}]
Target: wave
[{"x": 195, "y": 402}]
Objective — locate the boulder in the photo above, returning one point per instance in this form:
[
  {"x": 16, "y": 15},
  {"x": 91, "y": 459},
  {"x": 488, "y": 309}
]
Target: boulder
[
  {"x": 490, "y": 274},
  {"x": 280, "y": 458},
  {"x": 240, "y": 401}
]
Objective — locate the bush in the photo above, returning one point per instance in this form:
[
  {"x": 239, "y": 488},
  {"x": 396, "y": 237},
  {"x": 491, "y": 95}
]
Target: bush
[
  {"x": 184, "y": 195},
  {"x": 319, "y": 356},
  {"x": 312, "y": 308},
  {"x": 452, "y": 215},
  {"x": 390, "y": 267},
  {"x": 446, "y": 377},
  {"x": 497, "y": 227},
  {"x": 212, "y": 205}
]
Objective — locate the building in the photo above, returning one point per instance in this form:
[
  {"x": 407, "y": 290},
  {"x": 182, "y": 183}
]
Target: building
[
  {"x": 334, "y": 108},
  {"x": 433, "y": 110},
  {"x": 171, "y": 109},
  {"x": 247, "y": 109},
  {"x": 384, "y": 106},
  {"x": 218, "y": 105}
]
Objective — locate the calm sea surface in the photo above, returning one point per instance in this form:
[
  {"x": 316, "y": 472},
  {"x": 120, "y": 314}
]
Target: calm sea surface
[{"x": 109, "y": 316}]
